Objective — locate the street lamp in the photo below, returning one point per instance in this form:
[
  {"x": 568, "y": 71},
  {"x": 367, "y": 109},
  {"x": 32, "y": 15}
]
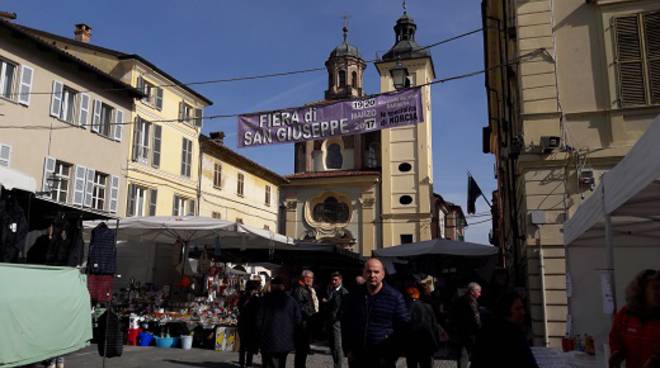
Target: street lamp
[{"x": 399, "y": 75}]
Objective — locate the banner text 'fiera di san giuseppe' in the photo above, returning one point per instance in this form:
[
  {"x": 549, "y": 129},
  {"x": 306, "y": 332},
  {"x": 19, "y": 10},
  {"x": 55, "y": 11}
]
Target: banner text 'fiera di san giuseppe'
[{"x": 323, "y": 121}]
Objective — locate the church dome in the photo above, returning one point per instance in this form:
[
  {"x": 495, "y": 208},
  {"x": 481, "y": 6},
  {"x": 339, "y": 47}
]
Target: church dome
[
  {"x": 405, "y": 47},
  {"x": 345, "y": 49}
]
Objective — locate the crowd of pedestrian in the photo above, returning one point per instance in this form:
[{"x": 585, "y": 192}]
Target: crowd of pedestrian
[{"x": 373, "y": 324}]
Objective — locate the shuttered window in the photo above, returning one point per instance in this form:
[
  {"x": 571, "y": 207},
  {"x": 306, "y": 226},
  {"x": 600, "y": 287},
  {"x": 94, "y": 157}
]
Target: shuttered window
[
  {"x": 637, "y": 39},
  {"x": 5, "y": 155}
]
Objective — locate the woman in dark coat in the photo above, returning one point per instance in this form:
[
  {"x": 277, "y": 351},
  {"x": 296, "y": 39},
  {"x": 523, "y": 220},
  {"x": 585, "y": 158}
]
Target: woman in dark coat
[
  {"x": 277, "y": 320},
  {"x": 502, "y": 341},
  {"x": 248, "y": 307},
  {"x": 423, "y": 337}
]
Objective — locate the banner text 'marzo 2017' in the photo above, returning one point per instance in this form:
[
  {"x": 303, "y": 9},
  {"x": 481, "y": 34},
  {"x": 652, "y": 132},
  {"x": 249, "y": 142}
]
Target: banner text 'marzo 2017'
[{"x": 335, "y": 119}]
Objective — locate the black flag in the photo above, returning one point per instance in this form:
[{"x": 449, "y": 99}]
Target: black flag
[{"x": 473, "y": 193}]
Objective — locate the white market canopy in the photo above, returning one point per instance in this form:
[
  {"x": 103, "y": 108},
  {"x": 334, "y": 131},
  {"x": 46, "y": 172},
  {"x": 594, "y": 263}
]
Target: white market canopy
[
  {"x": 629, "y": 194},
  {"x": 193, "y": 229},
  {"x": 12, "y": 179},
  {"x": 437, "y": 247}
]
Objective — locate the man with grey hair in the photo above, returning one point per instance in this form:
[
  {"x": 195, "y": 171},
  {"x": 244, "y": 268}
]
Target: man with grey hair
[
  {"x": 305, "y": 294},
  {"x": 467, "y": 321}
]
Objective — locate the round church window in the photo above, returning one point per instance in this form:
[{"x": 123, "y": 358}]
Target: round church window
[
  {"x": 405, "y": 167},
  {"x": 405, "y": 199}
]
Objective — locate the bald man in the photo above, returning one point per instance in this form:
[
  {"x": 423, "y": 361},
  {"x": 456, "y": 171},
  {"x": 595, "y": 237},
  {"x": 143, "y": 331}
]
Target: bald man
[{"x": 374, "y": 316}]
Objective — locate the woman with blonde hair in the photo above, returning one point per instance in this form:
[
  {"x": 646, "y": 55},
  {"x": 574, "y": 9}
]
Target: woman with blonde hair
[{"x": 635, "y": 333}]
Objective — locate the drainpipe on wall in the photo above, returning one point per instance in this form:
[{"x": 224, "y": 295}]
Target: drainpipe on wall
[{"x": 199, "y": 177}]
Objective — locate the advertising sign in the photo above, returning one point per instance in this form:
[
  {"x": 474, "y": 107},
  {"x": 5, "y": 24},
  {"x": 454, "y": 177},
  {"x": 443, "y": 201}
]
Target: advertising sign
[{"x": 329, "y": 120}]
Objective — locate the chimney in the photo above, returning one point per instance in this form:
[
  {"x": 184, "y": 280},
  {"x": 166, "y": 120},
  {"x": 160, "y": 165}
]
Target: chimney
[
  {"x": 7, "y": 15},
  {"x": 218, "y": 138},
  {"x": 83, "y": 32}
]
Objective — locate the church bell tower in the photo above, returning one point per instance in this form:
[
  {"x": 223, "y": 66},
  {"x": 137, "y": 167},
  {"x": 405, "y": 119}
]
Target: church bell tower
[{"x": 406, "y": 152}]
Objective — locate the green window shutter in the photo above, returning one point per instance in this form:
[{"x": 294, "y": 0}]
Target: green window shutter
[
  {"x": 652, "y": 38},
  {"x": 632, "y": 88}
]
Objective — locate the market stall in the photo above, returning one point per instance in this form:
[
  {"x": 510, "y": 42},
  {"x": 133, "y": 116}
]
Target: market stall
[
  {"x": 614, "y": 234},
  {"x": 174, "y": 279},
  {"x": 434, "y": 256}
]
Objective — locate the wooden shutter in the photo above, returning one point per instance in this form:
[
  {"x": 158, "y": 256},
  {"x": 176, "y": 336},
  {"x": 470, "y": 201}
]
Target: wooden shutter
[
  {"x": 652, "y": 38},
  {"x": 181, "y": 104},
  {"x": 136, "y": 139},
  {"x": 119, "y": 125},
  {"x": 25, "y": 86},
  {"x": 89, "y": 187},
  {"x": 56, "y": 99},
  {"x": 632, "y": 89},
  {"x": 83, "y": 115},
  {"x": 198, "y": 117},
  {"x": 140, "y": 85},
  {"x": 5, "y": 155},
  {"x": 153, "y": 200},
  {"x": 159, "y": 98},
  {"x": 114, "y": 193},
  {"x": 130, "y": 206},
  {"x": 191, "y": 207},
  {"x": 96, "y": 120},
  {"x": 155, "y": 159},
  {"x": 79, "y": 185},
  {"x": 49, "y": 169}
]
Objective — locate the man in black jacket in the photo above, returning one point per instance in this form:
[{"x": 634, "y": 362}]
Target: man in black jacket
[
  {"x": 374, "y": 317},
  {"x": 308, "y": 302},
  {"x": 277, "y": 321},
  {"x": 334, "y": 301}
]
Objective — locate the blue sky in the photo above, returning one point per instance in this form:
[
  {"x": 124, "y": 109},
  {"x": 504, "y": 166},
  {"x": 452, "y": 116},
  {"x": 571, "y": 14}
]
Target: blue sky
[{"x": 211, "y": 39}]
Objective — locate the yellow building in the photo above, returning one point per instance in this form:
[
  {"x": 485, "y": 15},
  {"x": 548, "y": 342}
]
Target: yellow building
[
  {"x": 571, "y": 86},
  {"x": 235, "y": 188},
  {"x": 371, "y": 190},
  {"x": 68, "y": 140},
  {"x": 162, "y": 179}
]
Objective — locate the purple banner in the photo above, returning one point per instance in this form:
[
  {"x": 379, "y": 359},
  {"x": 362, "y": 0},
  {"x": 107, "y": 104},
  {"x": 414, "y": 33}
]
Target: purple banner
[{"x": 339, "y": 118}]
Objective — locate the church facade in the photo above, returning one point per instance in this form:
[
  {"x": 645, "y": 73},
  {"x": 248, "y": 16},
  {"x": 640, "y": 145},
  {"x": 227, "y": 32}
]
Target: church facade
[{"x": 372, "y": 190}]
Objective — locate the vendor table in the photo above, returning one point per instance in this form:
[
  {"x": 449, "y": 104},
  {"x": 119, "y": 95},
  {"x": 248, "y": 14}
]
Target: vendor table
[{"x": 554, "y": 358}]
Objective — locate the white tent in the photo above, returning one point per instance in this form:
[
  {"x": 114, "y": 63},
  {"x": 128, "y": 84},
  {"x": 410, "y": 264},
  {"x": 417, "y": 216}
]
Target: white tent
[
  {"x": 192, "y": 229},
  {"x": 438, "y": 247},
  {"x": 148, "y": 251},
  {"x": 12, "y": 179},
  {"x": 613, "y": 235}
]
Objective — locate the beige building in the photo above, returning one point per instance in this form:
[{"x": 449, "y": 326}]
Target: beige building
[
  {"x": 235, "y": 188},
  {"x": 61, "y": 122},
  {"x": 571, "y": 86},
  {"x": 163, "y": 137},
  {"x": 372, "y": 190}
]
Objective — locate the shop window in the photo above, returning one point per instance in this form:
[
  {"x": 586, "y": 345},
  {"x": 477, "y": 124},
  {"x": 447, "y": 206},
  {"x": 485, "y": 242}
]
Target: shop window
[{"x": 331, "y": 211}]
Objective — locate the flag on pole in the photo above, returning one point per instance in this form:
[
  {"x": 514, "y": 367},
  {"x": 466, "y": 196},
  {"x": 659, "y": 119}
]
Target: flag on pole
[{"x": 473, "y": 193}]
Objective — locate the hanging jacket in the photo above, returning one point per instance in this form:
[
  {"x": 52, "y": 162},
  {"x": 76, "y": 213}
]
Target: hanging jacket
[
  {"x": 13, "y": 230},
  {"x": 76, "y": 252},
  {"x": 102, "y": 258}
]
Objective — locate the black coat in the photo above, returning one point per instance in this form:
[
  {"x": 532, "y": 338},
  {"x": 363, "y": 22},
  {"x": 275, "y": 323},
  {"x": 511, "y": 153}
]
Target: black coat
[
  {"x": 423, "y": 334},
  {"x": 248, "y": 308},
  {"x": 466, "y": 320},
  {"x": 303, "y": 296},
  {"x": 277, "y": 321},
  {"x": 335, "y": 304},
  {"x": 502, "y": 344},
  {"x": 370, "y": 321}
]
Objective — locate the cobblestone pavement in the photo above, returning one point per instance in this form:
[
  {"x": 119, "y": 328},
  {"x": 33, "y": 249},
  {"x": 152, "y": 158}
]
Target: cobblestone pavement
[{"x": 141, "y": 357}]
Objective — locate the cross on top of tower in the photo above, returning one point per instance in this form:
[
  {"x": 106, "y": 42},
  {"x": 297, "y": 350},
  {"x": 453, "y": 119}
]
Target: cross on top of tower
[
  {"x": 344, "y": 29},
  {"x": 405, "y": 7}
]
